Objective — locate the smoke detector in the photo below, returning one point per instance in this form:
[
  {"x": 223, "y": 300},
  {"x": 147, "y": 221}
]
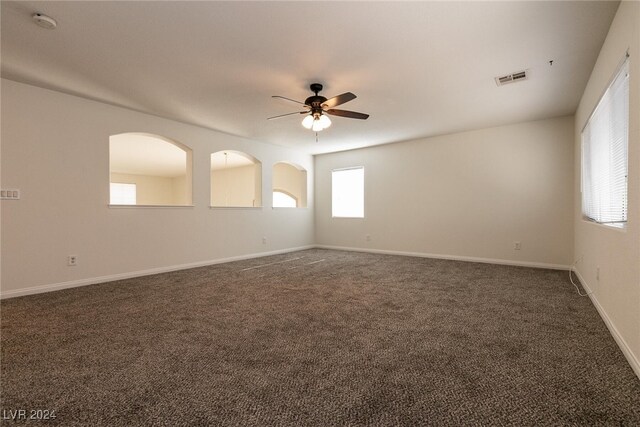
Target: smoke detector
[
  {"x": 512, "y": 78},
  {"x": 44, "y": 21}
]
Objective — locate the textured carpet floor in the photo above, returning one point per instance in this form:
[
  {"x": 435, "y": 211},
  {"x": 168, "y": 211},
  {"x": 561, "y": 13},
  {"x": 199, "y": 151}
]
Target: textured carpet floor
[{"x": 321, "y": 338}]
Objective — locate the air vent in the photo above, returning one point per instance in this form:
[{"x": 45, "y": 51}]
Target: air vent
[{"x": 511, "y": 78}]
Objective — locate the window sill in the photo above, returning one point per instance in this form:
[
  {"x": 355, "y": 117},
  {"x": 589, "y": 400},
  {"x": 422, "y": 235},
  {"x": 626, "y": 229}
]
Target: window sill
[
  {"x": 621, "y": 229},
  {"x": 150, "y": 206},
  {"x": 230, "y": 208}
]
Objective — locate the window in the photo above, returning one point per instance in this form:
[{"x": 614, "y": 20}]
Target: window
[
  {"x": 290, "y": 179},
  {"x": 123, "y": 194},
  {"x": 158, "y": 168},
  {"x": 347, "y": 193},
  {"x": 283, "y": 200},
  {"x": 605, "y": 155},
  {"x": 236, "y": 180}
]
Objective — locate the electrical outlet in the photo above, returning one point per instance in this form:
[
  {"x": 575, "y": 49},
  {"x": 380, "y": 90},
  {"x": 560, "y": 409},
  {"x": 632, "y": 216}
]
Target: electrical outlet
[
  {"x": 517, "y": 246},
  {"x": 264, "y": 240},
  {"x": 72, "y": 260}
]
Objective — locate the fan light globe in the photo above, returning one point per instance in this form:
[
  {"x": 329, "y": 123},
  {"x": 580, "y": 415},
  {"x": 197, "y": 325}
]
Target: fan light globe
[
  {"x": 317, "y": 125},
  {"x": 324, "y": 121},
  {"x": 307, "y": 122}
]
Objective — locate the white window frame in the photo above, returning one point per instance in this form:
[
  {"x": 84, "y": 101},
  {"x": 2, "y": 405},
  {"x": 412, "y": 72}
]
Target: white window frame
[
  {"x": 605, "y": 156},
  {"x": 333, "y": 193}
]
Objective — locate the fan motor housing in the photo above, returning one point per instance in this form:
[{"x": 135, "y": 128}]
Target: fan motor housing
[{"x": 315, "y": 101}]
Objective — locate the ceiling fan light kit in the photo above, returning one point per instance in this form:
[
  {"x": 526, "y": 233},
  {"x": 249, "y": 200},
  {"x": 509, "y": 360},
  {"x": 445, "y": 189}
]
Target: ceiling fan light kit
[
  {"x": 316, "y": 122},
  {"x": 317, "y": 108}
]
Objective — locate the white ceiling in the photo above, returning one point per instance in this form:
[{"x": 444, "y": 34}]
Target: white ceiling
[{"x": 418, "y": 68}]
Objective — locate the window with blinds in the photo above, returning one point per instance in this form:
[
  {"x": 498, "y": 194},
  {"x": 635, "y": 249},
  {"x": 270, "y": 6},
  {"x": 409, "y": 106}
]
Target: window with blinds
[{"x": 604, "y": 155}]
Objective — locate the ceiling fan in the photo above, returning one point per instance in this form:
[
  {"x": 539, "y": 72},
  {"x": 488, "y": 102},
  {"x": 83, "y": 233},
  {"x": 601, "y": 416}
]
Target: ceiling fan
[{"x": 317, "y": 107}]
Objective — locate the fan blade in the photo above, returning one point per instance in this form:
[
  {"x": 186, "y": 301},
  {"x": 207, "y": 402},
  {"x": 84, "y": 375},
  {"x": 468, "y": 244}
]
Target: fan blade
[
  {"x": 337, "y": 100},
  {"x": 288, "y": 99},
  {"x": 288, "y": 114},
  {"x": 349, "y": 114}
]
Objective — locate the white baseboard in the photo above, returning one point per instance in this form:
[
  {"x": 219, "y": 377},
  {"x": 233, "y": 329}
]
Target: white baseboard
[
  {"x": 110, "y": 278},
  {"x": 451, "y": 257},
  {"x": 626, "y": 350}
]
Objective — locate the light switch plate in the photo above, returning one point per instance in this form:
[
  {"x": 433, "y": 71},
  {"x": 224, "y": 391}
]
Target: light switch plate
[{"x": 10, "y": 194}]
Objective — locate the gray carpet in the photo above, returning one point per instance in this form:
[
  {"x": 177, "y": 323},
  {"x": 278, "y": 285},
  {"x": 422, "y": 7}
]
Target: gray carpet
[{"x": 318, "y": 338}]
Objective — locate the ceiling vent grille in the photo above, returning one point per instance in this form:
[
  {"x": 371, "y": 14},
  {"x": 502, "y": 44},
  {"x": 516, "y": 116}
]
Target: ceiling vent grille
[{"x": 511, "y": 78}]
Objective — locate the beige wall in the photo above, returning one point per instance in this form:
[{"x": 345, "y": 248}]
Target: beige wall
[
  {"x": 181, "y": 187},
  {"x": 61, "y": 166},
  {"x": 466, "y": 195},
  {"x": 239, "y": 187},
  {"x": 292, "y": 180},
  {"x": 155, "y": 190},
  {"x": 617, "y": 253}
]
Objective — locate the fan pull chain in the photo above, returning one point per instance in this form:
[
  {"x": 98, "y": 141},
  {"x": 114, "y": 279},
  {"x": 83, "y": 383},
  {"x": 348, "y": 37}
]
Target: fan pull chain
[{"x": 316, "y": 136}]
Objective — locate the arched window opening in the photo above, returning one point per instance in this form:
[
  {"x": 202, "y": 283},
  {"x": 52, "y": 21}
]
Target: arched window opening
[
  {"x": 283, "y": 200},
  {"x": 291, "y": 180},
  {"x": 149, "y": 170},
  {"x": 236, "y": 179}
]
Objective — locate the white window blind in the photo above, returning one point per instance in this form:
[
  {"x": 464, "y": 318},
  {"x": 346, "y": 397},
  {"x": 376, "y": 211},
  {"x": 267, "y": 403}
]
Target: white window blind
[
  {"x": 604, "y": 155},
  {"x": 123, "y": 194},
  {"x": 347, "y": 193}
]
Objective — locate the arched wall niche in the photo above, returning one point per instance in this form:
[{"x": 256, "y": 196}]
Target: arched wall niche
[
  {"x": 236, "y": 179},
  {"x": 291, "y": 179},
  {"x": 149, "y": 170}
]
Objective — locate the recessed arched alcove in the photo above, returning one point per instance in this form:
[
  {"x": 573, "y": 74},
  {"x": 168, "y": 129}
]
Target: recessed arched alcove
[
  {"x": 290, "y": 180},
  {"x": 150, "y": 170},
  {"x": 236, "y": 179}
]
